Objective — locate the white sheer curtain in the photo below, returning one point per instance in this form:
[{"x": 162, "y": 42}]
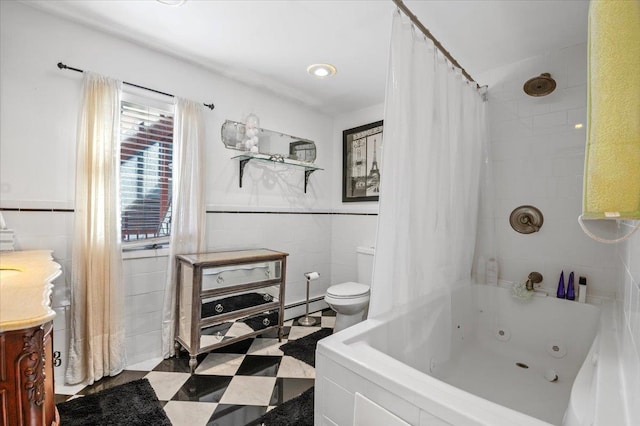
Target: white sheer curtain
[
  {"x": 187, "y": 204},
  {"x": 434, "y": 133},
  {"x": 97, "y": 341}
]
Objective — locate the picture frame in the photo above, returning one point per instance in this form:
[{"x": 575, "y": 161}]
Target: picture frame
[{"x": 360, "y": 168}]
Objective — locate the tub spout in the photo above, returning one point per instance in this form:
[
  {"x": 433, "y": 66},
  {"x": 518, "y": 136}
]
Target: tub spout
[{"x": 533, "y": 279}]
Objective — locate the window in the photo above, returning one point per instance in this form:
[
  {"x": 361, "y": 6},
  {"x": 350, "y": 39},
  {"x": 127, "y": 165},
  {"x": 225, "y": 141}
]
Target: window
[{"x": 146, "y": 159}]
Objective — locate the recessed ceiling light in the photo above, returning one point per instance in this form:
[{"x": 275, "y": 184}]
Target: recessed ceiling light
[
  {"x": 578, "y": 126},
  {"x": 321, "y": 70},
  {"x": 172, "y": 2}
]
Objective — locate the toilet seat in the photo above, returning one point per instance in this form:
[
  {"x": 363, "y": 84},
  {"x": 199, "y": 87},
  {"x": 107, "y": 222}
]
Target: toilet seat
[{"x": 348, "y": 290}]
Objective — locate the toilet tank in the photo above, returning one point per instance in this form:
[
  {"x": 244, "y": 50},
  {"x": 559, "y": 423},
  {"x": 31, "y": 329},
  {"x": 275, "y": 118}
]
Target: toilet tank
[{"x": 365, "y": 264}]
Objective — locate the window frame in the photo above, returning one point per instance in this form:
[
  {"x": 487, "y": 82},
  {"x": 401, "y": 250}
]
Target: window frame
[{"x": 166, "y": 106}]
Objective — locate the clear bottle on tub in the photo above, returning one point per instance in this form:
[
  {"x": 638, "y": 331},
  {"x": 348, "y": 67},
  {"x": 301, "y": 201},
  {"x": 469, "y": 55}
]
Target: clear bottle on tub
[{"x": 492, "y": 271}]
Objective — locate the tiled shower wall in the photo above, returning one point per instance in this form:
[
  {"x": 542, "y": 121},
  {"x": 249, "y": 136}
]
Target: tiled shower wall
[{"x": 538, "y": 159}]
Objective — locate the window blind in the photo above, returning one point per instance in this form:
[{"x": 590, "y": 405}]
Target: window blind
[{"x": 146, "y": 159}]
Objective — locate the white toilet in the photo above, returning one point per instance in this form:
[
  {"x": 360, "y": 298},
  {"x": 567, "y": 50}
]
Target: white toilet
[{"x": 350, "y": 300}]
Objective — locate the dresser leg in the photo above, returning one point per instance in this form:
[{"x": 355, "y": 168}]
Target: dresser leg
[{"x": 192, "y": 363}]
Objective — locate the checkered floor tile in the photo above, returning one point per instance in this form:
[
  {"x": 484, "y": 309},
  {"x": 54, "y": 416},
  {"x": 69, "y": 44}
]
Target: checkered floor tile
[{"x": 231, "y": 386}]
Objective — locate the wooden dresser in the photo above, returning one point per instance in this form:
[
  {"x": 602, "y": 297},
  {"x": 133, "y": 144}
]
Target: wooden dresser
[{"x": 26, "y": 339}]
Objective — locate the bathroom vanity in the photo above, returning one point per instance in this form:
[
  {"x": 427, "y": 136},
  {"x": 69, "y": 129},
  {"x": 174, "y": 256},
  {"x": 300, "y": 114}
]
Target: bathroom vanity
[
  {"x": 224, "y": 297},
  {"x": 26, "y": 338}
]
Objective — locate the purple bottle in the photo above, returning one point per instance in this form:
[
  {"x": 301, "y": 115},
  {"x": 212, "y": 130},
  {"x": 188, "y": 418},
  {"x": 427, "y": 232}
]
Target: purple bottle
[
  {"x": 571, "y": 294},
  {"x": 560, "y": 292}
]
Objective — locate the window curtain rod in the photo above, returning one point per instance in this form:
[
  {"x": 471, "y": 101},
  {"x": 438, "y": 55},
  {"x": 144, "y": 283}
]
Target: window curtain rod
[
  {"x": 403, "y": 7},
  {"x": 62, "y": 66}
]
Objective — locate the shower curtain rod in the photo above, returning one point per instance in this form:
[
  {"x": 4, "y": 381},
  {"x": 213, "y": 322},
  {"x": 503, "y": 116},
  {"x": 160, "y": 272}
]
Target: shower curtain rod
[
  {"x": 62, "y": 66},
  {"x": 403, "y": 7}
]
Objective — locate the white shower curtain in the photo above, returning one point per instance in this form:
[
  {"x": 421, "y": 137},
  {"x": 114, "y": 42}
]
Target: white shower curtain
[
  {"x": 97, "y": 338},
  {"x": 434, "y": 131},
  {"x": 187, "y": 204}
]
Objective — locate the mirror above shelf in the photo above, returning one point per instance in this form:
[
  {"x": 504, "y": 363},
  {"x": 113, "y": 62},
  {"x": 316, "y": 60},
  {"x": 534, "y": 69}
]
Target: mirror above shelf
[
  {"x": 270, "y": 144},
  {"x": 265, "y": 145}
]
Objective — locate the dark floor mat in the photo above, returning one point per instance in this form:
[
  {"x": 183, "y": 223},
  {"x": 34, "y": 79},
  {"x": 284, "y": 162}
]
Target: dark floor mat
[
  {"x": 132, "y": 404},
  {"x": 304, "y": 348}
]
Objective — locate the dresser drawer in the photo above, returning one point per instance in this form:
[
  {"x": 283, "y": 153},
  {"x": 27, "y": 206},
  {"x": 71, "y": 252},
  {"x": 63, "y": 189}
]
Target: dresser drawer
[
  {"x": 227, "y": 276},
  {"x": 219, "y": 305},
  {"x": 236, "y": 329}
]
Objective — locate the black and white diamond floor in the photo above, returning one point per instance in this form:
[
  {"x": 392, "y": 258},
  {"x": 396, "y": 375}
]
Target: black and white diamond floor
[{"x": 231, "y": 386}]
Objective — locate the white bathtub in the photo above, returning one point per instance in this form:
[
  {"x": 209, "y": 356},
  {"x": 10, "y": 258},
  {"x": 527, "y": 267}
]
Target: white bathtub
[{"x": 372, "y": 374}]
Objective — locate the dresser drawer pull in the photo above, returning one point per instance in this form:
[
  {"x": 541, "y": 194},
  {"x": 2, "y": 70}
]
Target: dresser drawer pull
[
  {"x": 220, "y": 280},
  {"x": 266, "y": 322},
  {"x": 219, "y": 308},
  {"x": 267, "y": 297},
  {"x": 267, "y": 272}
]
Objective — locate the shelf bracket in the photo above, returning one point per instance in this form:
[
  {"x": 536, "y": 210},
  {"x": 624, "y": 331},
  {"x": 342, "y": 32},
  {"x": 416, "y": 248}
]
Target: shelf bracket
[
  {"x": 243, "y": 163},
  {"x": 307, "y": 173}
]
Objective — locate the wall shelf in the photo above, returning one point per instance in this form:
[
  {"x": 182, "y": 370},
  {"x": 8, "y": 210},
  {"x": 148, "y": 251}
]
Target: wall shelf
[{"x": 277, "y": 159}]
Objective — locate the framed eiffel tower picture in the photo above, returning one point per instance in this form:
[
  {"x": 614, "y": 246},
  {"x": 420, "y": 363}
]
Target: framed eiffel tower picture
[{"x": 360, "y": 155}]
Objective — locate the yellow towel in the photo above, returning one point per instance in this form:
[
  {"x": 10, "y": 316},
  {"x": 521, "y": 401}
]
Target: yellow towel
[{"x": 612, "y": 164}]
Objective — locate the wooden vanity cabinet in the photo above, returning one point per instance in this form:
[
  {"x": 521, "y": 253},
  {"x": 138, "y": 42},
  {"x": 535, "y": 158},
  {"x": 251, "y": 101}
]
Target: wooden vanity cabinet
[
  {"x": 27, "y": 395},
  {"x": 26, "y": 377},
  {"x": 225, "y": 297}
]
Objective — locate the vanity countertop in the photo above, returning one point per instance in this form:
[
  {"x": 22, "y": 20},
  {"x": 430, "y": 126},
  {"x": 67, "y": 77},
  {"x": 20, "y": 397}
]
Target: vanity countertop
[{"x": 25, "y": 288}]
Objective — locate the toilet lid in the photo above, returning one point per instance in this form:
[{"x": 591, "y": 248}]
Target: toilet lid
[{"x": 348, "y": 290}]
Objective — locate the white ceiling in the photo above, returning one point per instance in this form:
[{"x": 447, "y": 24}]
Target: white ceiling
[{"x": 270, "y": 43}]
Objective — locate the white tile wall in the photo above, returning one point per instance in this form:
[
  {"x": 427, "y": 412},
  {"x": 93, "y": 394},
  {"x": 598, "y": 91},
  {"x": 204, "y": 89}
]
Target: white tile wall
[
  {"x": 315, "y": 242},
  {"x": 629, "y": 330},
  {"x": 310, "y": 239},
  {"x": 348, "y": 232},
  {"x": 306, "y": 237},
  {"x": 538, "y": 159},
  {"x": 145, "y": 281}
]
